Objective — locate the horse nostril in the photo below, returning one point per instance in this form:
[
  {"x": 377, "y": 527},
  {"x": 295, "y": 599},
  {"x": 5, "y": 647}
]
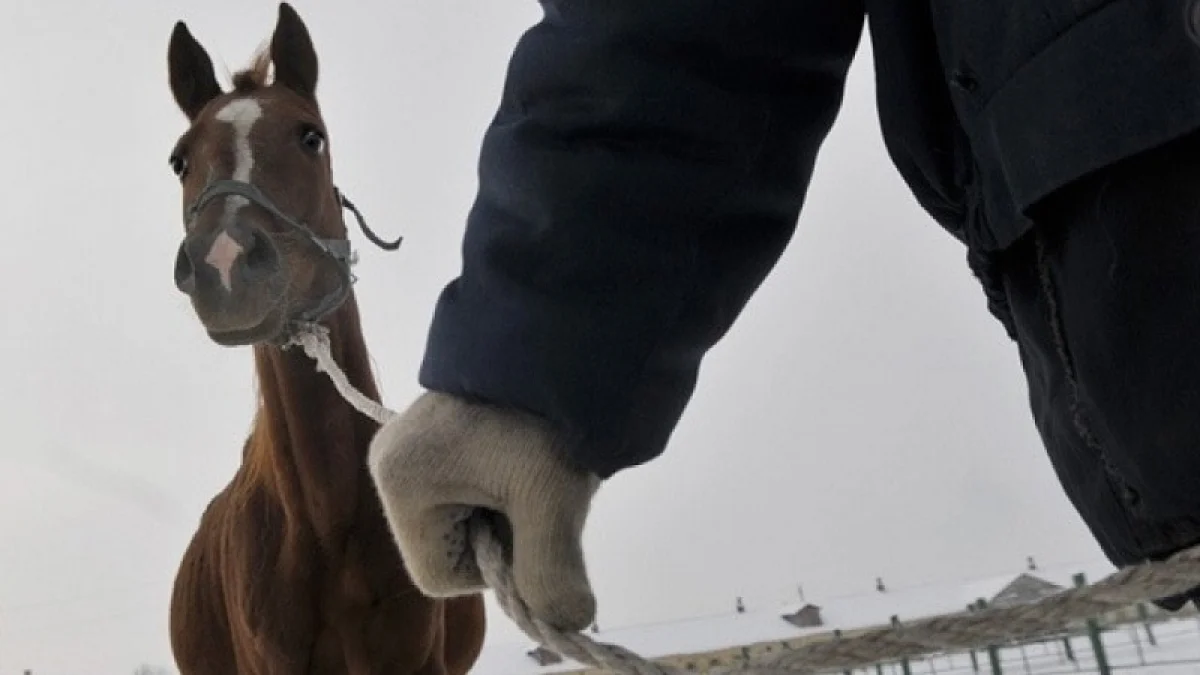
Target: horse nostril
[
  {"x": 260, "y": 256},
  {"x": 185, "y": 271}
]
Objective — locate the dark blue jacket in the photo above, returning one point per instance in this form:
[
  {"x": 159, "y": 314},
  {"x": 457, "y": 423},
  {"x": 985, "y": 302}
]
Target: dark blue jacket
[{"x": 649, "y": 161}]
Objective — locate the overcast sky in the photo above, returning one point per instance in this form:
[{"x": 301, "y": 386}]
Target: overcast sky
[{"x": 866, "y": 417}]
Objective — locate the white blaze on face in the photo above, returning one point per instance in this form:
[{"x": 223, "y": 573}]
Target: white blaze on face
[{"x": 240, "y": 113}]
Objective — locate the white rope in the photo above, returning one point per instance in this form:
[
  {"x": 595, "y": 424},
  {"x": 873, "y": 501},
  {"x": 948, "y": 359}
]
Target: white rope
[
  {"x": 489, "y": 554},
  {"x": 314, "y": 339},
  {"x": 960, "y": 631}
]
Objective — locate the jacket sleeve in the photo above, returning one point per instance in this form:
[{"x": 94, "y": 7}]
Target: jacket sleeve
[{"x": 643, "y": 174}]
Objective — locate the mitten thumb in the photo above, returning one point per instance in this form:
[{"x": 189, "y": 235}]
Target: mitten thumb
[{"x": 548, "y": 564}]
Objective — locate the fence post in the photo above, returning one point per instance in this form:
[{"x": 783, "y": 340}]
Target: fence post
[
  {"x": 994, "y": 657},
  {"x": 1144, "y": 615},
  {"x": 992, "y": 650},
  {"x": 904, "y": 665},
  {"x": 837, "y": 636},
  {"x": 1025, "y": 659},
  {"x": 1093, "y": 629},
  {"x": 1137, "y": 643}
]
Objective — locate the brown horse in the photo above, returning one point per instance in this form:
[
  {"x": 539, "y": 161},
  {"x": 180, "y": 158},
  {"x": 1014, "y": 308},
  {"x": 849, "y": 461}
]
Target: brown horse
[{"x": 293, "y": 569}]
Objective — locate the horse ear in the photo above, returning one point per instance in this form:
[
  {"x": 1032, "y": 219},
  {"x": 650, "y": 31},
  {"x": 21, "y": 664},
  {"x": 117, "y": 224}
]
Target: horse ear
[
  {"x": 193, "y": 82},
  {"x": 293, "y": 54}
]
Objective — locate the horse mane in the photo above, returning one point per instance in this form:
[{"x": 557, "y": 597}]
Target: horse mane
[{"x": 257, "y": 75}]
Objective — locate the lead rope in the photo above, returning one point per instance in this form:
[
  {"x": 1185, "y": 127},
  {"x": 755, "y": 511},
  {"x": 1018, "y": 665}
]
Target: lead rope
[
  {"x": 951, "y": 632},
  {"x": 314, "y": 340}
]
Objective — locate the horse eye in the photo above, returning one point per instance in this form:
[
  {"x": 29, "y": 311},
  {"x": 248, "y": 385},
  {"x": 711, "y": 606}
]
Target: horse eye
[
  {"x": 178, "y": 164},
  {"x": 313, "y": 140}
]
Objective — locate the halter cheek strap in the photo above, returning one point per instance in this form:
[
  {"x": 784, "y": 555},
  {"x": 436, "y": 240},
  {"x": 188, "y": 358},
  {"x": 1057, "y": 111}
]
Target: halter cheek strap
[
  {"x": 362, "y": 224},
  {"x": 337, "y": 249}
]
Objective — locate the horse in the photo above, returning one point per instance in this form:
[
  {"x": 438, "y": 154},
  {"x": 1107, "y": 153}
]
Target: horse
[{"x": 292, "y": 568}]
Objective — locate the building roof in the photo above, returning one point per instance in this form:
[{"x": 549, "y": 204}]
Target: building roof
[{"x": 765, "y": 624}]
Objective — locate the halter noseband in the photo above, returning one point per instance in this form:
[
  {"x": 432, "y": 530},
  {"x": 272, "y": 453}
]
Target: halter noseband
[{"x": 337, "y": 249}]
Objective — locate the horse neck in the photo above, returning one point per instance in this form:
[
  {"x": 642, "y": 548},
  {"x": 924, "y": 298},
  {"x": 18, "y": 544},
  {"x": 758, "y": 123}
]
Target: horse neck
[{"x": 309, "y": 445}]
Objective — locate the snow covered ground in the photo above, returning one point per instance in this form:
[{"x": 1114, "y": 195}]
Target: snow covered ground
[{"x": 1176, "y": 652}]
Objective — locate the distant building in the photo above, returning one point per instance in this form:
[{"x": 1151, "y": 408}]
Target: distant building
[
  {"x": 1023, "y": 590},
  {"x": 808, "y": 616}
]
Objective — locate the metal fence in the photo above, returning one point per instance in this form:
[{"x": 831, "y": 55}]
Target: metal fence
[{"x": 1158, "y": 645}]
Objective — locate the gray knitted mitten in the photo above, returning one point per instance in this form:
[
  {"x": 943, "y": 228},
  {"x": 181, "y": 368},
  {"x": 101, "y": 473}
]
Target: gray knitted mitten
[{"x": 443, "y": 458}]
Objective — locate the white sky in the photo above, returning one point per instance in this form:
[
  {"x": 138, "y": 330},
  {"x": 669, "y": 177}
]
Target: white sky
[{"x": 865, "y": 417}]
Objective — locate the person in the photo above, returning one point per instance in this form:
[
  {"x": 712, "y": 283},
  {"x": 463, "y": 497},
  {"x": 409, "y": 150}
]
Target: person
[{"x": 646, "y": 169}]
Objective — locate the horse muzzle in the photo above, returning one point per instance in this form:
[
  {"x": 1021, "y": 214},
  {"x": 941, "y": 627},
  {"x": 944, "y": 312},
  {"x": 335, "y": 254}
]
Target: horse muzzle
[{"x": 234, "y": 276}]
